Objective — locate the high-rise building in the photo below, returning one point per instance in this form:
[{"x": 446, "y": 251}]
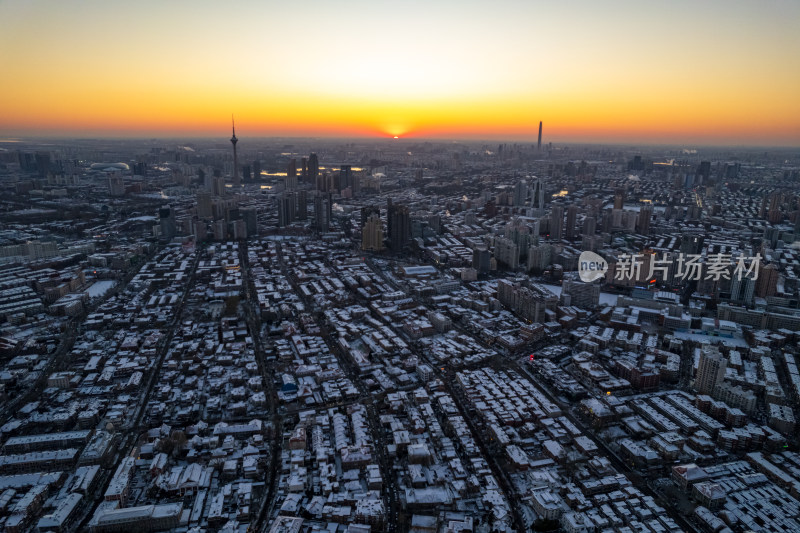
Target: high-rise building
[
  {"x": 400, "y": 232},
  {"x": 538, "y": 194},
  {"x": 506, "y": 252},
  {"x": 220, "y": 229},
  {"x": 579, "y": 293},
  {"x": 539, "y": 144},
  {"x": 116, "y": 185},
  {"x": 291, "y": 175},
  {"x": 237, "y": 181},
  {"x": 572, "y": 220},
  {"x": 199, "y": 230},
  {"x": 219, "y": 188},
  {"x": 169, "y": 227},
  {"x": 742, "y": 290},
  {"x": 540, "y": 257},
  {"x": 321, "y": 218},
  {"x": 313, "y": 168},
  {"x": 389, "y": 217},
  {"x": 556, "y": 222},
  {"x": 204, "y": 207},
  {"x": 619, "y": 198},
  {"x": 481, "y": 260},
  {"x": 367, "y": 211},
  {"x": 531, "y": 303},
  {"x": 589, "y": 226},
  {"x": 302, "y": 205},
  {"x": 767, "y": 281},
  {"x": 345, "y": 178},
  {"x": 645, "y": 216},
  {"x": 710, "y": 370},
  {"x": 286, "y": 209},
  {"x": 520, "y": 193},
  {"x": 372, "y": 234},
  {"x": 250, "y": 217},
  {"x": 519, "y": 232}
]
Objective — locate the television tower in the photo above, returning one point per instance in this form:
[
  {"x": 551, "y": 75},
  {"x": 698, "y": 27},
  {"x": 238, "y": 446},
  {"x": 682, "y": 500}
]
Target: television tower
[
  {"x": 538, "y": 146},
  {"x": 236, "y": 180}
]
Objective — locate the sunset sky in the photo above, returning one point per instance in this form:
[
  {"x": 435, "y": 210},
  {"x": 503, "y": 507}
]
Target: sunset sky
[{"x": 712, "y": 72}]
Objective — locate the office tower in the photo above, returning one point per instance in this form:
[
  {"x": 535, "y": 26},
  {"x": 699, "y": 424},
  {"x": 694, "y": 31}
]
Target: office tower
[
  {"x": 572, "y": 219},
  {"x": 116, "y": 185},
  {"x": 538, "y": 194},
  {"x": 286, "y": 209},
  {"x": 539, "y": 144},
  {"x": 520, "y": 193},
  {"x": 256, "y": 170},
  {"x": 556, "y": 222},
  {"x": 644, "y": 218},
  {"x": 589, "y": 226},
  {"x": 169, "y": 227},
  {"x": 304, "y": 169},
  {"x": 236, "y": 179},
  {"x": 302, "y": 205},
  {"x": 313, "y": 168},
  {"x": 710, "y": 370},
  {"x": 372, "y": 234},
  {"x": 204, "y": 210},
  {"x": 400, "y": 233}
]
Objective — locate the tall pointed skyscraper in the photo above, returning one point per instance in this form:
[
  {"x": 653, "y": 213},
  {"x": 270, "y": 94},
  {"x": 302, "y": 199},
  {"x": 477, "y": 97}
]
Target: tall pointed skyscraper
[
  {"x": 237, "y": 181},
  {"x": 539, "y": 146}
]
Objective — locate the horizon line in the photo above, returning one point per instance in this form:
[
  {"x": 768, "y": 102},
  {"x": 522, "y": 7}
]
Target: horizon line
[{"x": 12, "y": 139}]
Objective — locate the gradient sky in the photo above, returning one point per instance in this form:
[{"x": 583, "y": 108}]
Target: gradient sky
[{"x": 710, "y": 71}]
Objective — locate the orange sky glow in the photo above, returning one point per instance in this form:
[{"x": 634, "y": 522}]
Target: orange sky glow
[{"x": 717, "y": 73}]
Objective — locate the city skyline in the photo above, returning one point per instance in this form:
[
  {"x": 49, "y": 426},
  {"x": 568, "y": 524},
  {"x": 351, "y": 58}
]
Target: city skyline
[{"x": 715, "y": 74}]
